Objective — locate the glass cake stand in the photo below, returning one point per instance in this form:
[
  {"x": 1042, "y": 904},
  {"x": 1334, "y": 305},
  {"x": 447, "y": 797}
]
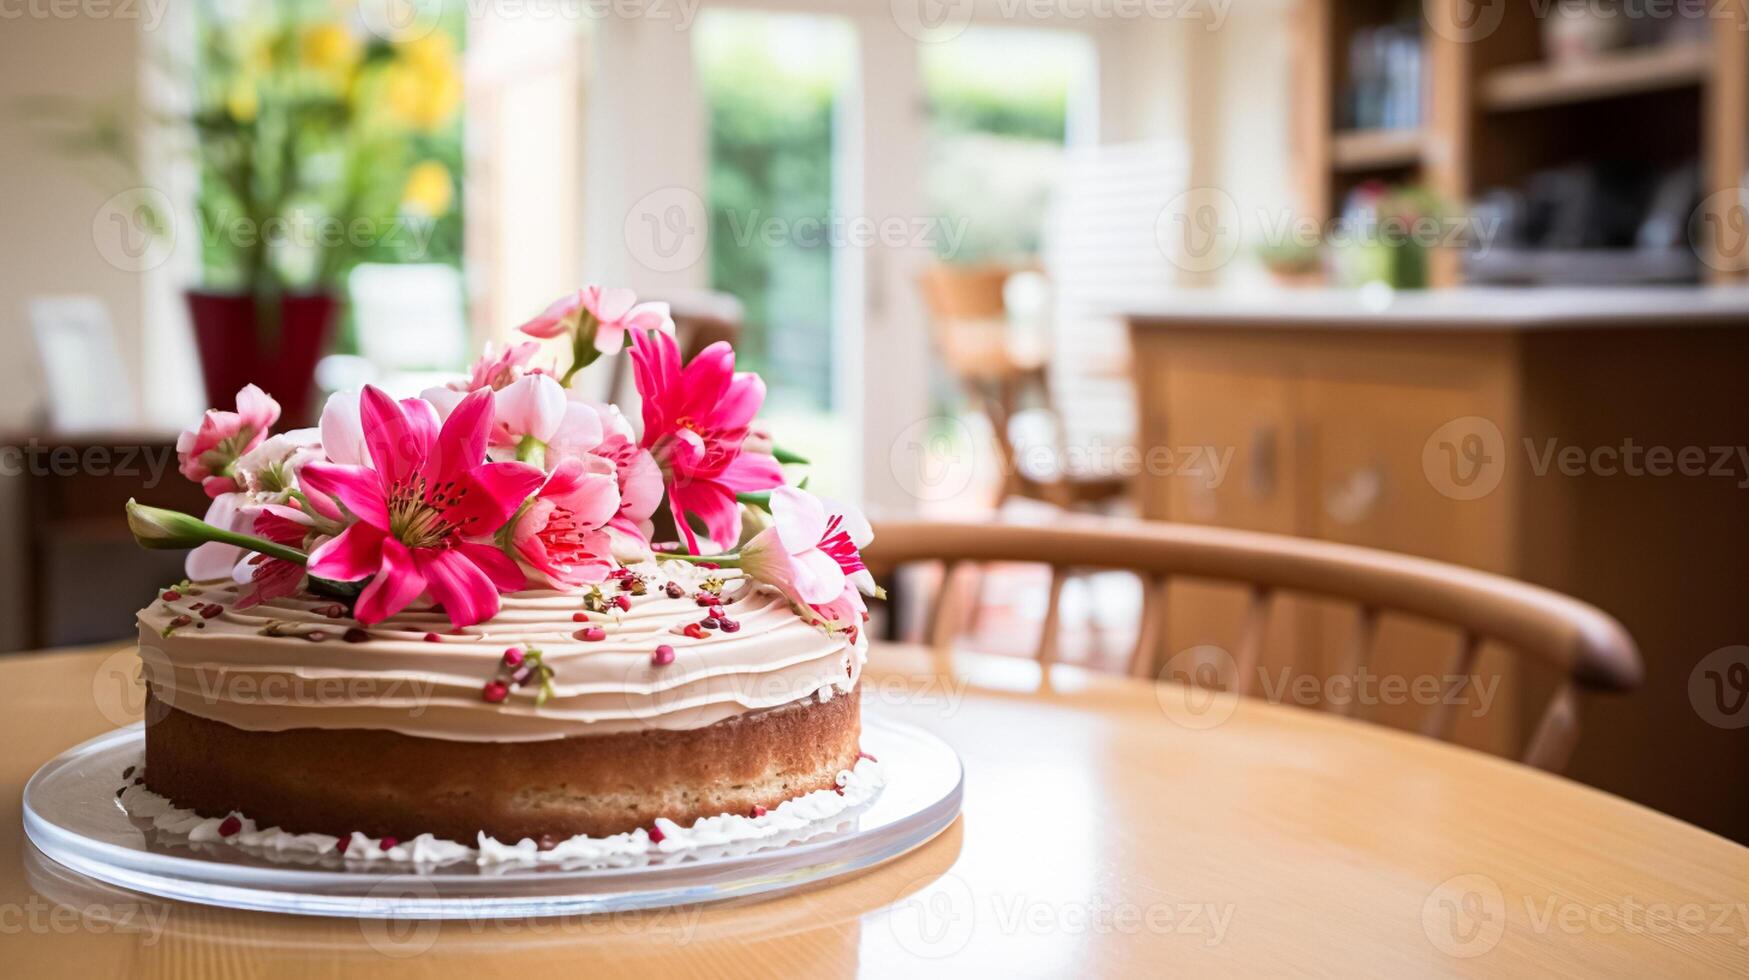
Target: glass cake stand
[{"x": 72, "y": 815}]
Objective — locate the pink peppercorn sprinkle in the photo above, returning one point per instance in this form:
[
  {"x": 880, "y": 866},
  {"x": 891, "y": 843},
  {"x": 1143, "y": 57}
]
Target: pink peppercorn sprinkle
[
  {"x": 230, "y": 826},
  {"x": 389, "y": 843},
  {"x": 494, "y": 692},
  {"x": 513, "y": 657},
  {"x": 593, "y": 634},
  {"x": 663, "y": 656}
]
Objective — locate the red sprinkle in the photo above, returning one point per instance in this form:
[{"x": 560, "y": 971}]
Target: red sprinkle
[
  {"x": 208, "y": 612},
  {"x": 694, "y": 630},
  {"x": 758, "y": 811},
  {"x": 705, "y": 599},
  {"x": 673, "y": 590},
  {"x": 580, "y": 617},
  {"x": 181, "y": 621},
  {"x": 624, "y": 602},
  {"x": 345, "y": 842},
  {"x": 230, "y": 826},
  {"x": 663, "y": 656},
  {"x": 390, "y": 842},
  {"x": 656, "y": 835},
  {"x": 594, "y": 634},
  {"x": 170, "y": 595},
  {"x": 730, "y": 625},
  {"x": 433, "y": 638},
  {"x": 494, "y": 692},
  {"x": 513, "y": 657}
]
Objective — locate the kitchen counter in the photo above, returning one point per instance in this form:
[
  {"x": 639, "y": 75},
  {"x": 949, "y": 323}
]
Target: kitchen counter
[{"x": 1465, "y": 308}]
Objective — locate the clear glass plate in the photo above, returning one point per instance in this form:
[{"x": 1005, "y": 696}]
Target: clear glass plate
[{"x": 72, "y": 815}]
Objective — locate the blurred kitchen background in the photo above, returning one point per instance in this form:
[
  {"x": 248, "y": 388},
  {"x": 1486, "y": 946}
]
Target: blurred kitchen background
[{"x": 1362, "y": 270}]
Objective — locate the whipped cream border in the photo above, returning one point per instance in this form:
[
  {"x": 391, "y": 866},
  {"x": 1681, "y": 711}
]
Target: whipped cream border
[{"x": 794, "y": 819}]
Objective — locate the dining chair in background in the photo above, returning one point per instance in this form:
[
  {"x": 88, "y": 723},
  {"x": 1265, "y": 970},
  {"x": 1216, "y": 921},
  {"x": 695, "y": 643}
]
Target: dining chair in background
[{"x": 1589, "y": 649}]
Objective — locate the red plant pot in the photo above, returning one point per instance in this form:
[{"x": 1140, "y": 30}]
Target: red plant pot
[{"x": 236, "y": 349}]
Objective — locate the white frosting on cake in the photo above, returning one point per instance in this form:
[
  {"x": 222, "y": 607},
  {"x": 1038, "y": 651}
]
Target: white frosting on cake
[
  {"x": 791, "y": 820},
  {"x": 286, "y": 663}
]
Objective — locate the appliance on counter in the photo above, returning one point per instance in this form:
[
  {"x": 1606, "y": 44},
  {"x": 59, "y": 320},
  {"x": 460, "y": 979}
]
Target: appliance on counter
[{"x": 1591, "y": 223}]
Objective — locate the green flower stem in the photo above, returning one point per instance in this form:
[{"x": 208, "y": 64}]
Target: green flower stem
[
  {"x": 730, "y": 560},
  {"x": 160, "y": 529},
  {"x": 783, "y": 455}
]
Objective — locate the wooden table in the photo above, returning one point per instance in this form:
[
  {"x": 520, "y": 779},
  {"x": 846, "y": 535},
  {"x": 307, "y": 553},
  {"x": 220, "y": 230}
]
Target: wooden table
[{"x": 1111, "y": 828}]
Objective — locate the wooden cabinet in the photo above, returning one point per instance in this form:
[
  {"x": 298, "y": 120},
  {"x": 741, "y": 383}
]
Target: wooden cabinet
[{"x": 1436, "y": 442}]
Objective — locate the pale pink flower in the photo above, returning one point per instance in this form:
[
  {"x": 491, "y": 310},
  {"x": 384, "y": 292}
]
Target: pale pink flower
[
  {"x": 695, "y": 424},
  {"x": 612, "y": 310},
  {"x": 498, "y": 367},
  {"x": 562, "y": 533},
  {"x": 640, "y": 485},
  {"x": 422, "y": 507},
  {"x": 208, "y": 453},
  {"x": 812, "y": 550}
]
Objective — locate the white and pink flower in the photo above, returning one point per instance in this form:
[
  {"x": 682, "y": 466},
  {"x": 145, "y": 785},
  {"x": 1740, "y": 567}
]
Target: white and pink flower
[
  {"x": 562, "y": 533},
  {"x": 812, "y": 553},
  {"x": 608, "y": 312}
]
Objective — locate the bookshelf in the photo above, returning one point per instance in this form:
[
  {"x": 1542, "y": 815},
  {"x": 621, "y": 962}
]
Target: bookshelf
[{"x": 1494, "y": 111}]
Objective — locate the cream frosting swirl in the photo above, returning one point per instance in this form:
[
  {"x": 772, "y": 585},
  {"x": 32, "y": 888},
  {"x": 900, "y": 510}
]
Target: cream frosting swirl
[{"x": 288, "y": 663}]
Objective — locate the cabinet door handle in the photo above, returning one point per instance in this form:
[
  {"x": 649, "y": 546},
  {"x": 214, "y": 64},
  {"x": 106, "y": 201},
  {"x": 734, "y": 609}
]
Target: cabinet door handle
[
  {"x": 1262, "y": 476},
  {"x": 1352, "y": 499}
]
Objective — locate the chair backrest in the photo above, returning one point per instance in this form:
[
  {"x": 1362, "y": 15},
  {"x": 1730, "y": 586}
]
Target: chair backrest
[{"x": 1588, "y": 647}]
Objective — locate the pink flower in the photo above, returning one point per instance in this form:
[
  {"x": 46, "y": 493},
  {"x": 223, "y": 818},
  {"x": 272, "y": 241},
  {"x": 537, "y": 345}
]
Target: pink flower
[
  {"x": 422, "y": 507},
  {"x": 533, "y": 420},
  {"x": 266, "y": 474},
  {"x": 640, "y": 485},
  {"x": 275, "y": 577},
  {"x": 613, "y": 312},
  {"x": 498, "y": 368},
  {"x": 695, "y": 422},
  {"x": 562, "y": 532},
  {"x": 812, "y": 552},
  {"x": 208, "y": 453}
]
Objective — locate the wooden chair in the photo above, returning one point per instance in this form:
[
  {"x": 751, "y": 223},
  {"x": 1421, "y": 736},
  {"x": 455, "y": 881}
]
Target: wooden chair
[
  {"x": 1588, "y": 647},
  {"x": 968, "y": 322}
]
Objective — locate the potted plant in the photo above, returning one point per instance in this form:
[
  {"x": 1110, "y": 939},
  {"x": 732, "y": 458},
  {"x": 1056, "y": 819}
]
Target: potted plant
[{"x": 309, "y": 135}]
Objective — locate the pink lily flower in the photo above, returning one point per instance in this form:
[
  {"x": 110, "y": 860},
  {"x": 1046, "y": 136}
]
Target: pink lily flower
[
  {"x": 812, "y": 552},
  {"x": 208, "y": 453},
  {"x": 614, "y": 311},
  {"x": 562, "y": 532},
  {"x": 640, "y": 486},
  {"x": 695, "y": 424},
  {"x": 422, "y": 507}
]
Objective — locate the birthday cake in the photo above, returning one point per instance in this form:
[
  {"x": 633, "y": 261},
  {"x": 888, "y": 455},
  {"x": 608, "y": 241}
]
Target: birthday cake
[{"x": 500, "y": 612}]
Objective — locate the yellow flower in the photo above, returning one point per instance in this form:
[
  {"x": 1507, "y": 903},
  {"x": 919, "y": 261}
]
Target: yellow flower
[
  {"x": 430, "y": 190},
  {"x": 243, "y": 101},
  {"x": 331, "y": 49},
  {"x": 423, "y": 91},
  {"x": 433, "y": 53}
]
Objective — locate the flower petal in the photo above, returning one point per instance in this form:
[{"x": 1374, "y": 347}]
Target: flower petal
[
  {"x": 489, "y": 495},
  {"x": 343, "y": 430},
  {"x": 461, "y": 445},
  {"x": 499, "y": 567},
  {"x": 467, "y": 594},
  {"x": 359, "y": 489},
  {"x": 752, "y": 471},
  {"x": 817, "y": 576},
  {"x": 533, "y": 405},
  {"x": 398, "y": 582},
  {"x": 394, "y": 440},
  {"x": 800, "y": 520},
  {"x": 356, "y": 553}
]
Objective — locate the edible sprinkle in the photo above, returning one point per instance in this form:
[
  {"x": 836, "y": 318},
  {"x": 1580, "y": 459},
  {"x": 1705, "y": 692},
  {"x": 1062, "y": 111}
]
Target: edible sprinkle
[{"x": 663, "y": 656}]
